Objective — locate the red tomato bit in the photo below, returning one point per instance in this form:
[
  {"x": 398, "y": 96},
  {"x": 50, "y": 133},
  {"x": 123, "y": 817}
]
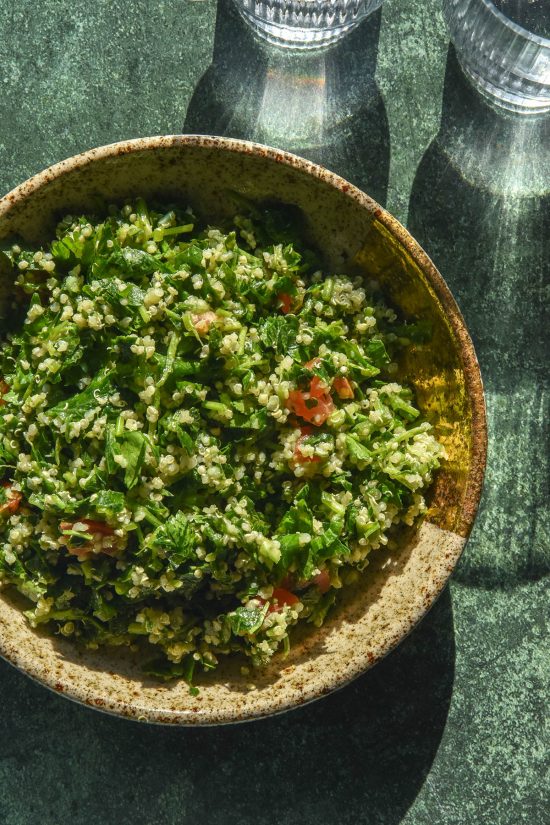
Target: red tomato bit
[
  {"x": 342, "y": 387},
  {"x": 314, "y": 406},
  {"x": 285, "y": 302},
  {"x": 281, "y": 598},
  {"x": 203, "y": 320},
  {"x": 85, "y": 551},
  {"x": 13, "y": 502},
  {"x": 322, "y": 580}
]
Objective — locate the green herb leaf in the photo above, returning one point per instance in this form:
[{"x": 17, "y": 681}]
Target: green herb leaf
[
  {"x": 176, "y": 539},
  {"x": 245, "y": 621}
]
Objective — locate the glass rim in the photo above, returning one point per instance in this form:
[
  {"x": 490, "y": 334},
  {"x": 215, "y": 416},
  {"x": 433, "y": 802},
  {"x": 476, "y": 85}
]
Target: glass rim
[{"x": 516, "y": 27}]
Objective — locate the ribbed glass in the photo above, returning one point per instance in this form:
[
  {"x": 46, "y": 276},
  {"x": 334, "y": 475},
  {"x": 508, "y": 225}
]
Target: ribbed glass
[
  {"x": 305, "y": 24},
  {"x": 507, "y": 63}
]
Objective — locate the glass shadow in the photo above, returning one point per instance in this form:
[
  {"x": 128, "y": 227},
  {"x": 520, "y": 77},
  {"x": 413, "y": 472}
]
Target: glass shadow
[
  {"x": 360, "y": 755},
  {"x": 480, "y": 206},
  {"x": 325, "y": 106}
]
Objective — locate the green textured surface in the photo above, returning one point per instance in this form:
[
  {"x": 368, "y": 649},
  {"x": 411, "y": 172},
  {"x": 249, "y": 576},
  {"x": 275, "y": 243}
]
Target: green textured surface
[{"x": 451, "y": 727}]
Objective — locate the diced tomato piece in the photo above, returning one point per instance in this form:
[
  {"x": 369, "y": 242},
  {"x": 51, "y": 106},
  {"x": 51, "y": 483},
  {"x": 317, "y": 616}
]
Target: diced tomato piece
[
  {"x": 280, "y": 598},
  {"x": 317, "y": 413},
  {"x": 342, "y": 387},
  {"x": 322, "y": 580},
  {"x": 314, "y": 406},
  {"x": 66, "y": 525},
  {"x": 14, "y": 500},
  {"x": 298, "y": 455},
  {"x": 4, "y": 388},
  {"x": 317, "y": 386},
  {"x": 202, "y": 321},
  {"x": 99, "y": 527},
  {"x": 318, "y": 389},
  {"x": 285, "y": 302}
]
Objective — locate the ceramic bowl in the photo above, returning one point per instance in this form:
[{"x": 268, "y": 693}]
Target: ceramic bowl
[{"x": 355, "y": 235}]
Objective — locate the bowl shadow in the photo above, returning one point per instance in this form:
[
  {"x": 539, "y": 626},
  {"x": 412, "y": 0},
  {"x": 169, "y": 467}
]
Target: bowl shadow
[{"x": 361, "y": 755}]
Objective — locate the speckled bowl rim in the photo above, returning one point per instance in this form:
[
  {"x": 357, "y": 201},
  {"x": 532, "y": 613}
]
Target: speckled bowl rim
[{"x": 470, "y": 367}]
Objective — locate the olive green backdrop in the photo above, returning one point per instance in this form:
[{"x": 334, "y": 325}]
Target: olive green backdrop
[{"x": 451, "y": 727}]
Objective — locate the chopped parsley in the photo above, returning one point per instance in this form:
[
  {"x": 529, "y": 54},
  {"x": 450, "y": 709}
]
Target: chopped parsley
[{"x": 201, "y": 437}]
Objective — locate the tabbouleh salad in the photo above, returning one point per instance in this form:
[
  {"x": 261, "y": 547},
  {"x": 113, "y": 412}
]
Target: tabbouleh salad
[{"x": 200, "y": 438}]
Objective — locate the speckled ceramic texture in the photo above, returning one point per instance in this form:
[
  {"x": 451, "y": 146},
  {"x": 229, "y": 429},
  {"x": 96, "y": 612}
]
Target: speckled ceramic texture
[{"x": 356, "y": 235}]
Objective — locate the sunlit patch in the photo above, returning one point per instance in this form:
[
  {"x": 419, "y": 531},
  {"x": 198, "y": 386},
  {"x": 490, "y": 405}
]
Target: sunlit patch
[{"x": 293, "y": 107}]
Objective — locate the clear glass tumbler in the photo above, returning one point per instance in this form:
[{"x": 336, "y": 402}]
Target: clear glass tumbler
[
  {"x": 504, "y": 48},
  {"x": 305, "y": 24}
]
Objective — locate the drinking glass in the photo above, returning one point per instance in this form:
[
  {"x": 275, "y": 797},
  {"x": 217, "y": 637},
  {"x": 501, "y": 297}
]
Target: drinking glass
[
  {"x": 305, "y": 24},
  {"x": 504, "y": 48}
]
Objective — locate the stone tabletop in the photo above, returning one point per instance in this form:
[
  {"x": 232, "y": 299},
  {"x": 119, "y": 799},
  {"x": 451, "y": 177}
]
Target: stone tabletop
[{"x": 450, "y": 728}]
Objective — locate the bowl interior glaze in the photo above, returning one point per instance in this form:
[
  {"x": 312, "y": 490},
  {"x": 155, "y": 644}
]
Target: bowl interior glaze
[{"x": 354, "y": 235}]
